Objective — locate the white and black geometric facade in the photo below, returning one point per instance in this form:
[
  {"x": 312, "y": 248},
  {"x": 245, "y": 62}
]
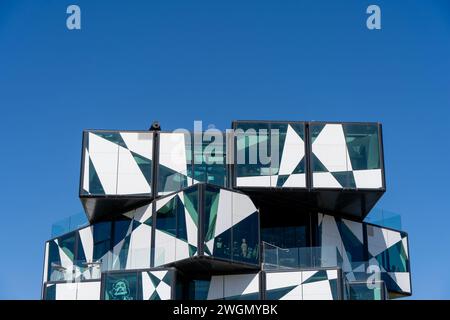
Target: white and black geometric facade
[{"x": 169, "y": 219}]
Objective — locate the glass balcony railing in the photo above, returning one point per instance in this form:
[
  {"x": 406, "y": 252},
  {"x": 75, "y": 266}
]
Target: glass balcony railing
[
  {"x": 299, "y": 258},
  {"x": 384, "y": 218},
  {"x": 69, "y": 224},
  {"x": 363, "y": 290},
  {"x": 76, "y": 272}
]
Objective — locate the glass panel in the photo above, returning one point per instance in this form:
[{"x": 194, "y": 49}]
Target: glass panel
[
  {"x": 199, "y": 289},
  {"x": 209, "y": 159},
  {"x": 252, "y": 142},
  {"x": 363, "y": 145},
  {"x": 67, "y": 244},
  {"x": 102, "y": 239},
  {"x": 277, "y": 138},
  {"x": 121, "y": 286},
  {"x": 166, "y": 217},
  {"x": 219, "y": 244},
  {"x": 69, "y": 224},
  {"x": 361, "y": 291},
  {"x": 245, "y": 240},
  {"x": 122, "y": 229}
]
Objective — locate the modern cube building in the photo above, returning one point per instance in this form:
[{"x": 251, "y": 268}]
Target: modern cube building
[{"x": 267, "y": 210}]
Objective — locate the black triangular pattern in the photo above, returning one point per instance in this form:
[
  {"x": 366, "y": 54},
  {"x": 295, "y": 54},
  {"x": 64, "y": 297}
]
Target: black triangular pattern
[
  {"x": 320, "y": 275},
  {"x": 345, "y": 179},
  {"x": 317, "y": 165},
  {"x": 277, "y": 294},
  {"x": 146, "y": 169},
  {"x": 192, "y": 250},
  {"x": 300, "y": 168},
  {"x": 206, "y": 250},
  {"x": 282, "y": 179},
  {"x": 167, "y": 279},
  {"x": 121, "y": 233},
  {"x": 390, "y": 283},
  {"x": 136, "y": 224},
  {"x": 315, "y": 131},
  {"x": 155, "y": 296},
  {"x": 113, "y": 137},
  {"x": 155, "y": 280},
  {"x": 299, "y": 130},
  {"x": 165, "y": 172},
  {"x": 80, "y": 249},
  {"x": 181, "y": 220},
  {"x": 94, "y": 180},
  {"x": 350, "y": 240},
  {"x": 149, "y": 221},
  {"x": 334, "y": 289}
]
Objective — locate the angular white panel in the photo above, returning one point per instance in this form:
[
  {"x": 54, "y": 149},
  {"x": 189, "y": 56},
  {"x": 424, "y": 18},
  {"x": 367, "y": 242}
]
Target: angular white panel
[
  {"x": 332, "y": 274},
  {"x": 276, "y": 280},
  {"x": 172, "y": 151},
  {"x": 224, "y": 212},
  {"x": 216, "y": 290},
  {"x": 331, "y": 149},
  {"x": 164, "y": 248},
  {"x": 140, "y": 248},
  {"x": 141, "y": 214},
  {"x": 325, "y": 180},
  {"x": 66, "y": 291},
  {"x": 402, "y": 279},
  {"x": 295, "y": 294},
  {"x": 319, "y": 290},
  {"x": 86, "y": 170},
  {"x": 164, "y": 291},
  {"x": 139, "y": 142},
  {"x": 239, "y": 284},
  {"x": 256, "y": 181},
  {"x": 242, "y": 207},
  {"x": 147, "y": 286},
  {"x": 44, "y": 278},
  {"x": 191, "y": 229},
  {"x": 104, "y": 155},
  {"x": 181, "y": 250},
  {"x": 370, "y": 179},
  {"x": 87, "y": 241},
  {"x": 293, "y": 152},
  {"x": 297, "y": 180},
  {"x": 88, "y": 290},
  {"x": 130, "y": 177}
]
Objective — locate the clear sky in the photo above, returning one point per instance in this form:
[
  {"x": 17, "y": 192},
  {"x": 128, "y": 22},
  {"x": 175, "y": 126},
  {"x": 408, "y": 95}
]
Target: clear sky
[{"x": 216, "y": 61}]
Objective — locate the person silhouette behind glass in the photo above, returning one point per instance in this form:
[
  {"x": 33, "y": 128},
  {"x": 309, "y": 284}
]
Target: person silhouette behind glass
[{"x": 244, "y": 248}]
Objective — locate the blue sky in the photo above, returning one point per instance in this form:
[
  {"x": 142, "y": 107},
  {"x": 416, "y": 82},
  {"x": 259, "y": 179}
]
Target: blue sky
[{"x": 216, "y": 61}]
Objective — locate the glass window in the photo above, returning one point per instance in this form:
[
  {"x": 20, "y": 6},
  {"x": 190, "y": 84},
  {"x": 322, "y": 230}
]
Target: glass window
[
  {"x": 198, "y": 289},
  {"x": 166, "y": 217},
  {"x": 122, "y": 228},
  {"x": 245, "y": 240},
  {"x": 67, "y": 244},
  {"x": 210, "y": 162},
  {"x": 363, "y": 145},
  {"x": 121, "y": 286},
  {"x": 218, "y": 245},
  {"x": 252, "y": 149},
  {"x": 278, "y": 134},
  {"x": 102, "y": 239}
]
